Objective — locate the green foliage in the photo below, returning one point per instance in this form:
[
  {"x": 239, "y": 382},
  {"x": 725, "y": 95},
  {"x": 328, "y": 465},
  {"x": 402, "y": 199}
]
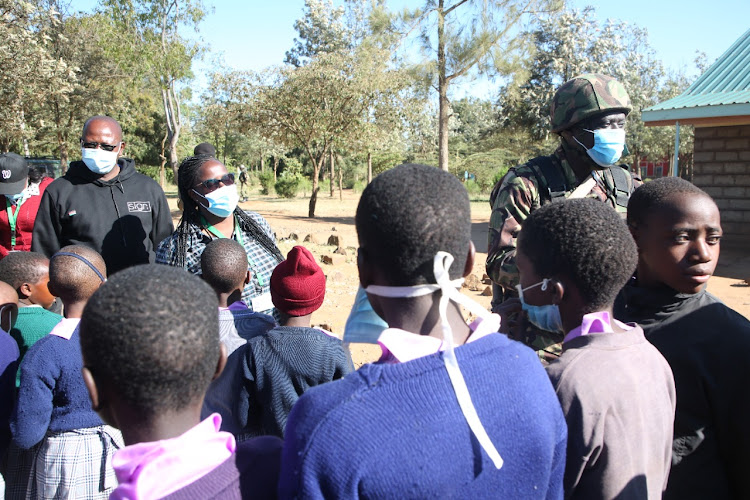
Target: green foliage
[
  {"x": 487, "y": 168},
  {"x": 472, "y": 188},
  {"x": 153, "y": 172},
  {"x": 385, "y": 161},
  {"x": 288, "y": 184},
  {"x": 266, "y": 182},
  {"x": 359, "y": 186}
]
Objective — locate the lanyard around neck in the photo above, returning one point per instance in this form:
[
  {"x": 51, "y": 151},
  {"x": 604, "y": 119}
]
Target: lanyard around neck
[
  {"x": 12, "y": 218},
  {"x": 240, "y": 239}
]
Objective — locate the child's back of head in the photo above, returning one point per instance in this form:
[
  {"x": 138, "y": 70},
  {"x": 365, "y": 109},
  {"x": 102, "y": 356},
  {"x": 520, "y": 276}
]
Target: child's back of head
[
  {"x": 224, "y": 266},
  {"x": 150, "y": 344},
  {"x": 152, "y": 333},
  {"x": 298, "y": 285},
  {"x": 408, "y": 214},
  {"x": 75, "y": 273},
  {"x": 28, "y": 273},
  {"x": 581, "y": 243}
]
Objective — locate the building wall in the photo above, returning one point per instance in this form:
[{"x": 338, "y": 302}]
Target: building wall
[{"x": 722, "y": 169}]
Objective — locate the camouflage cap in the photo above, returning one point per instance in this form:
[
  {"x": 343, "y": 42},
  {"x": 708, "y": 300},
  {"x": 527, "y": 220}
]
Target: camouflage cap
[{"x": 585, "y": 96}]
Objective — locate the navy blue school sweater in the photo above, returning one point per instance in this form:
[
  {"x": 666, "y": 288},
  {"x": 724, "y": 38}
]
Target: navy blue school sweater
[
  {"x": 52, "y": 394},
  {"x": 396, "y": 430},
  {"x": 277, "y": 368}
]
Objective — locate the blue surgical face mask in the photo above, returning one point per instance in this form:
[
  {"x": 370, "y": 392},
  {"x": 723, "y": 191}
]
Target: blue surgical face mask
[
  {"x": 545, "y": 317},
  {"x": 608, "y": 145},
  {"x": 14, "y": 198},
  {"x": 99, "y": 161},
  {"x": 363, "y": 324},
  {"x": 221, "y": 202}
]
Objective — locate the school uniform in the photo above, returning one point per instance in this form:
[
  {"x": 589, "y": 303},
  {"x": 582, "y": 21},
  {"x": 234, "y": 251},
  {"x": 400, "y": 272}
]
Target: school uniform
[
  {"x": 203, "y": 462},
  {"x": 706, "y": 344},
  {"x": 53, "y": 413},
  {"x": 394, "y": 429},
  {"x": 618, "y": 397}
]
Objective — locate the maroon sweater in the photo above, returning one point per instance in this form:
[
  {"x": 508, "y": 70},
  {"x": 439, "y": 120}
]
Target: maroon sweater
[{"x": 252, "y": 472}]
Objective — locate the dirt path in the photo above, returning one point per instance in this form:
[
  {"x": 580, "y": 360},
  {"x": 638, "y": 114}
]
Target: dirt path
[{"x": 336, "y": 217}]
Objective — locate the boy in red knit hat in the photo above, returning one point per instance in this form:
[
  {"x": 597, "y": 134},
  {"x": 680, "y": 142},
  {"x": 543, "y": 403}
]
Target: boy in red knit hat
[{"x": 284, "y": 362}]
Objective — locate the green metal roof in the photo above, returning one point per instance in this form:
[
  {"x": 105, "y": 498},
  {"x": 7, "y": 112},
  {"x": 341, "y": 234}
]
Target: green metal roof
[{"x": 723, "y": 90}]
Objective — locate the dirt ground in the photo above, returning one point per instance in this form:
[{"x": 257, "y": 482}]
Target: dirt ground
[{"x": 335, "y": 217}]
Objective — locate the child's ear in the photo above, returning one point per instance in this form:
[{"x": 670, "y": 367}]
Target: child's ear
[
  {"x": 88, "y": 379},
  {"x": 557, "y": 291},
  {"x": 222, "y": 360},
  {"x": 470, "y": 258},
  {"x": 247, "y": 277},
  {"x": 24, "y": 291}
]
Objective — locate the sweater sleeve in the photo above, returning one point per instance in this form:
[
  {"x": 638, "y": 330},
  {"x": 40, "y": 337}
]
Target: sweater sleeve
[
  {"x": 33, "y": 412},
  {"x": 162, "y": 223},
  {"x": 47, "y": 228}
]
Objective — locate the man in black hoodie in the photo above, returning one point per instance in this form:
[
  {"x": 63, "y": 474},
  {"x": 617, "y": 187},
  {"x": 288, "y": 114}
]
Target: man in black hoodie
[{"x": 103, "y": 203}]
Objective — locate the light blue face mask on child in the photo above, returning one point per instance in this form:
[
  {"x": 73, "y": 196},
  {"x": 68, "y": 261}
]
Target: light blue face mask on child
[
  {"x": 363, "y": 324},
  {"x": 545, "y": 317}
]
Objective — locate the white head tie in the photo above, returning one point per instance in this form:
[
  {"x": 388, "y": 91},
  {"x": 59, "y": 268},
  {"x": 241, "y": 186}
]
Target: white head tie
[{"x": 490, "y": 322}]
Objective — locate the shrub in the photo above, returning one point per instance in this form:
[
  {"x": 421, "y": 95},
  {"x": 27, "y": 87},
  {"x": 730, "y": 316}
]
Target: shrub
[
  {"x": 153, "y": 172},
  {"x": 266, "y": 182},
  {"x": 359, "y": 186},
  {"x": 288, "y": 185}
]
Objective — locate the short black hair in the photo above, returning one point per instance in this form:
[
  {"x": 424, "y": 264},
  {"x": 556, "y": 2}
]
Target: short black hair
[
  {"x": 18, "y": 268},
  {"x": 584, "y": 240},
  {"x": 408, "y": 214},
  {"x": 71, "y": 278},
  {"x": 224, "y": 265},
  {"x": 204, "y": 148},
  {"x": 654, "y": 195},
  {"x": 152, "y": 331}
]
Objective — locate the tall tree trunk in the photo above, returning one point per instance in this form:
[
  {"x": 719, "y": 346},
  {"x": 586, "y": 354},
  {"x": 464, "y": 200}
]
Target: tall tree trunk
[
  {"x": 332, "y": 171},
  {"x": 173, "y": 117},
  {"x": 25, "y": 140},
  {"x": 443, "y": 103},
  {"x": 369, "y": 167},
  {"x": 262, "y": 163},
  {"x": 62, "y": 145},
  {"x": 275, "y": 167},
  {"x": 163, "y": 158},
  {"x": 318, "y": 165},
  {"x": 341, "y": 175}
]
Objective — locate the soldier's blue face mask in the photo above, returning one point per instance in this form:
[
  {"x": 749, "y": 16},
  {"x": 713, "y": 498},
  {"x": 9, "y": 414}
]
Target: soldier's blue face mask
[
  {"x": 608, "y": 145},
  {"x": 545, "y": 317}
]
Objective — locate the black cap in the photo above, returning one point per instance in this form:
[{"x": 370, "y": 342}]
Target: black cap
[
  {"x": 14, "y": 171},
  {"x": 204, "y": 148}
]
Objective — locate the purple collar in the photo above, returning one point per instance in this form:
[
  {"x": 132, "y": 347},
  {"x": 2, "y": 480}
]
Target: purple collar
[{"x": 592, "y": 323}]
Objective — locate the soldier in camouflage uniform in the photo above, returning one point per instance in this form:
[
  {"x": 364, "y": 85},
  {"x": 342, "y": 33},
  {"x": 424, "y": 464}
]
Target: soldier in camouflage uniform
[{"x": 584, "y": 112}]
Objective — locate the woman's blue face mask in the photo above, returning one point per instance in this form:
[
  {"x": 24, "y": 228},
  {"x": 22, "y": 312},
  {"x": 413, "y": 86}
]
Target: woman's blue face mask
[{"x": 545, "y": 317}]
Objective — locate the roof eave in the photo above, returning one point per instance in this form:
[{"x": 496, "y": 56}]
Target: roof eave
[{"x": 685, "y": 115}]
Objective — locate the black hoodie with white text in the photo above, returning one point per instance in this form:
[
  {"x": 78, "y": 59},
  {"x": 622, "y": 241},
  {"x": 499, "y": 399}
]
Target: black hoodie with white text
[{"x": 123, "y": 219}]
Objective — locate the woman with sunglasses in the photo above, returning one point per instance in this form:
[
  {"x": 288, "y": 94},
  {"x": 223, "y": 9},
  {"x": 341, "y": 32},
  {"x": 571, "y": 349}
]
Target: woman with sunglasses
[{"x": 209, "y": 197}]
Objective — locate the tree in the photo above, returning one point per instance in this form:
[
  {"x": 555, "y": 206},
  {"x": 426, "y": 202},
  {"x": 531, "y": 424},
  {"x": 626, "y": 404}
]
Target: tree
[
  {"x": 467, "y": 35},
  {"x": 321, "y": 30},
  {"x": 154, "y": 26},
  {"x": 314, "y": 105},
  {"x": 31, "y": 74}
]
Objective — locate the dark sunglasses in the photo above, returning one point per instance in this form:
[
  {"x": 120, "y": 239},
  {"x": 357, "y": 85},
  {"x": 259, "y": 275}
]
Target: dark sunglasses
[
  {"x": 211, "y": 185},
  {"x": 94, "y": 145}
]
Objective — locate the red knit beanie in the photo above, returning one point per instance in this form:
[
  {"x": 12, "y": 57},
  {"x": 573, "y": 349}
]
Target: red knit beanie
[{"x": 298, "y": 285}]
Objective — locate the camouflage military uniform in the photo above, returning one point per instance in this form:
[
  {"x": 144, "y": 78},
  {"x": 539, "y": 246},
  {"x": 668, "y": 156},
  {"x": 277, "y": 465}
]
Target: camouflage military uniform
[{"x": 520, "y": 192}]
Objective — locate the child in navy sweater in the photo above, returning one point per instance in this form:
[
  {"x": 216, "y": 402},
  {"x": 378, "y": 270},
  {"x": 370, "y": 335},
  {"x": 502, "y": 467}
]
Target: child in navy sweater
[
  {"x": 53, "y": 409},
  {"x": 615, "y": 389},
  {"x": 8, "y": 364},
  {"x": 150, "y": 343},
  {"x": 429, "y": 420},
  {"x": 225, "y": 268},
  {"x": 280, "y": 365}
]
